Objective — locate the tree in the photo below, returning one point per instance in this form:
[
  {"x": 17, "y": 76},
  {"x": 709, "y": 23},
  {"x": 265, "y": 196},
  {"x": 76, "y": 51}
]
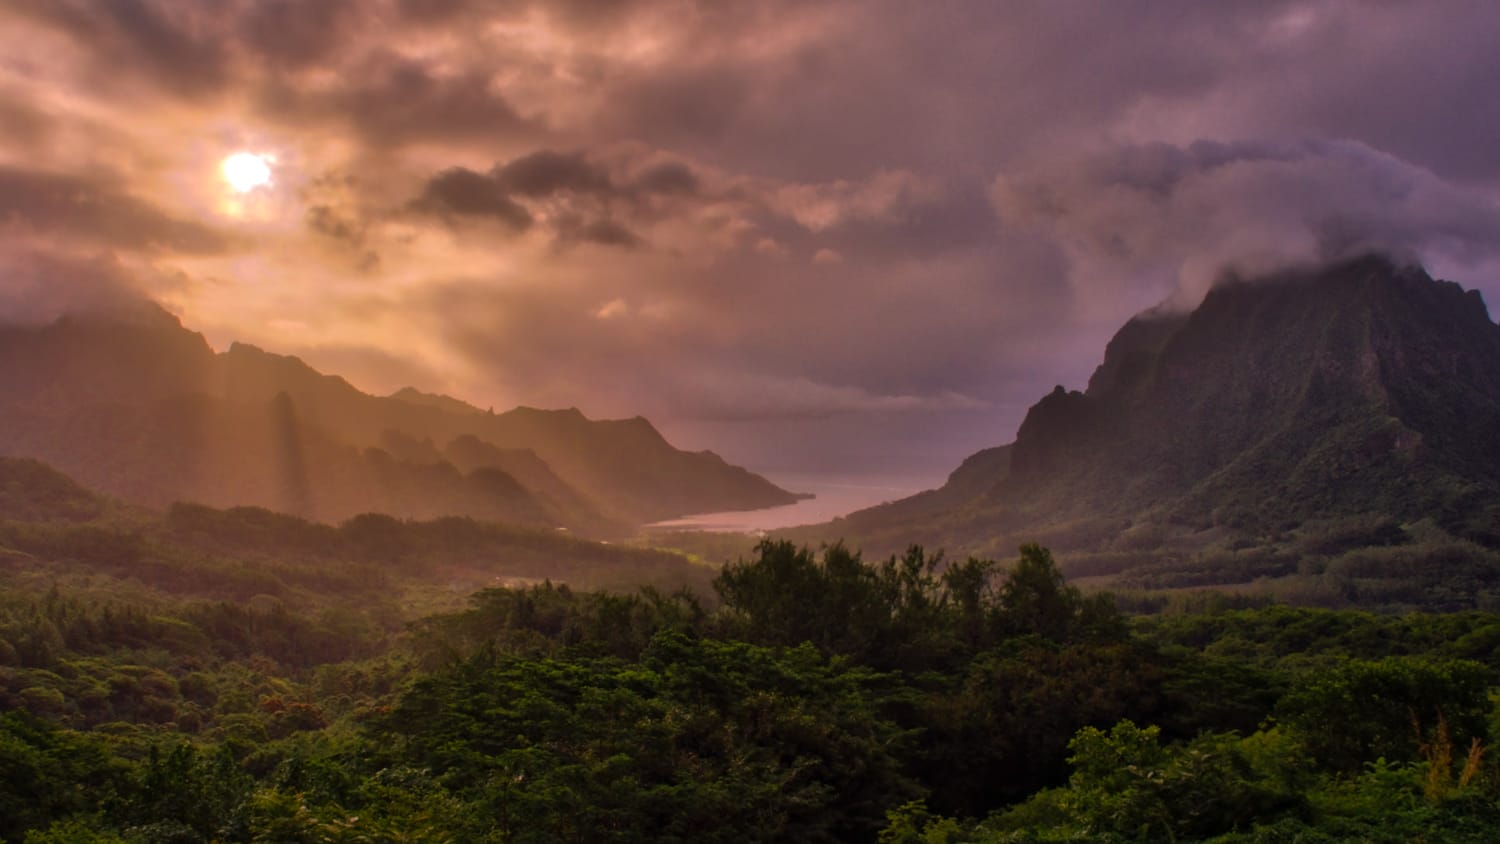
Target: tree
[
  {"x": 1036, "y": 599},
  {"x": 1371, "y": 709}
]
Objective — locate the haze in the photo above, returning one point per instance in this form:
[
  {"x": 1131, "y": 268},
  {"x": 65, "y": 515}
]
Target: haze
[{"x": 818, "y": 236}]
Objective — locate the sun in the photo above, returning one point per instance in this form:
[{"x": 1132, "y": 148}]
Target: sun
[{"x": 246, "y": 171}]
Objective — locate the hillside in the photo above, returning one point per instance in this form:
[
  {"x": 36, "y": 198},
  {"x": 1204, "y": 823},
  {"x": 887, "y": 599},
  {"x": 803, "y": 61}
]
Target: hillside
[
  {"x": 137, "y": 406},
  {"x": 1307, "y": 414},
  {"x": 242, "y": 675},
  {"x": 52, "y": 528}
]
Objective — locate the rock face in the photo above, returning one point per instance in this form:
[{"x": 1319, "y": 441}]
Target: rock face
[
  {"x": 1364, "y": 388},
  {"x": 137, "y": 406}
]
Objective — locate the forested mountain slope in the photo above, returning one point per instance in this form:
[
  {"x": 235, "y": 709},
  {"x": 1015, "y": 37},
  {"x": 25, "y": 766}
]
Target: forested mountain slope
[
  {"x": 1352, "y": 406},
  {"x": 241, "y": 675}
]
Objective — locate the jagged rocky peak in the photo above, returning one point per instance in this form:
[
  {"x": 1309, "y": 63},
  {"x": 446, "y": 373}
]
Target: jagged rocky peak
[
  {"x": 1051, "y": 427},
  {"x": 1131, "y": 352},
  {"x": 1359, "y": 389}
]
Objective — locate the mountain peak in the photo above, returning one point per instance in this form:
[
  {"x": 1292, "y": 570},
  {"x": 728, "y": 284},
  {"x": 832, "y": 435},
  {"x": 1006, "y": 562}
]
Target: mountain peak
[
  {"x": 137, "y": 315},
  {"x": 144, "y": 409},
  {"x": 1260, "y": 381},
  {"x": 253, "y": 371},
  {"x": 1363, "y": 389},
  {"x": 411, "y": 395}
]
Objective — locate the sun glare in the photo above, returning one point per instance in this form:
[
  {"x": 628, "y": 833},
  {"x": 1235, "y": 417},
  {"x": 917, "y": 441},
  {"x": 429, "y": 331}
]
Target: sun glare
[{"x": 246, "y": 171}]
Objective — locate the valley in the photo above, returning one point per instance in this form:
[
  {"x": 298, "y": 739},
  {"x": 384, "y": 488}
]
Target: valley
[
  {"x": 1315, "y": 649},
  {"x": 810, "y": 421}
]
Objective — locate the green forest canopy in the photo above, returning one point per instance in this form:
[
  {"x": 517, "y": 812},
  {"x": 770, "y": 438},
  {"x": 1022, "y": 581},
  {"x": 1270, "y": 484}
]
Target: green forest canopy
[{"x": 814, "y": 696}]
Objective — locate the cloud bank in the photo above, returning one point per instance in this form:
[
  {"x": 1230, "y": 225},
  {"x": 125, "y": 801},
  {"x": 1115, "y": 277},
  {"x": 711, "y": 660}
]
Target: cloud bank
[
  {"x": 867, "y": 228},
  {"x": 1247, "y": 207}
]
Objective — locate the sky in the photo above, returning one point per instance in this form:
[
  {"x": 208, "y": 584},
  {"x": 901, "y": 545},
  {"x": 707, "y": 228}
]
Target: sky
[{"x": 824, "y": 237}]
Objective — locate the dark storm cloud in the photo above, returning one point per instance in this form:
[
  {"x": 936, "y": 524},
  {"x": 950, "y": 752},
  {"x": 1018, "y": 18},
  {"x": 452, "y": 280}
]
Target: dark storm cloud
[
  {"x": 547, "y": 172},
  {"x": 296, "y": 34},
  {"x": 603, "y": 232},
  {"x": 609, "y": 198},
  {"x": 670, "y": 177},
  {"x": 969, "y": 85},
  {"x": 465, "y": 193},
  {"x": 403, "y": 99},
  {"x": 329, "y": 222},
  {"x": 581, "y": 195},
  {"x": 76, "y": 208},
  {"x": 178, "y": 45},
  {"x": 390, "y": 100},
  {"x": 347, "y": 231},
  {"x": 197, "y": 49}
]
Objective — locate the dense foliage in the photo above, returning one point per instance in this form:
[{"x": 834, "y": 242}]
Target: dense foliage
[{"x": 811, "y": 697}]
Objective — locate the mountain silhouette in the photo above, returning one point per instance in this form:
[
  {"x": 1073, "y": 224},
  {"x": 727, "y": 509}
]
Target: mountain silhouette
[
  {"x": 1363, "y": 397},
  {"x": 135, "y": 405}
]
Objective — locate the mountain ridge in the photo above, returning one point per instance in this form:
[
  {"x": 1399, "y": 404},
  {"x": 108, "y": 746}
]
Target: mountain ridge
[
  {"x": 141, "y": 407},
  {"x": 1365, "y": 390}
]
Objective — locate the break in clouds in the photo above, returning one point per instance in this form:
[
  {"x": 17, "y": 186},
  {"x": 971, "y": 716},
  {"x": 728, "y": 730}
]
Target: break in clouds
[{"x": 861, "y": 225}]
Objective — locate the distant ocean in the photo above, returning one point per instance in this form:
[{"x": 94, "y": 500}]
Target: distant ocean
[{"x": 834, "y": 495}]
